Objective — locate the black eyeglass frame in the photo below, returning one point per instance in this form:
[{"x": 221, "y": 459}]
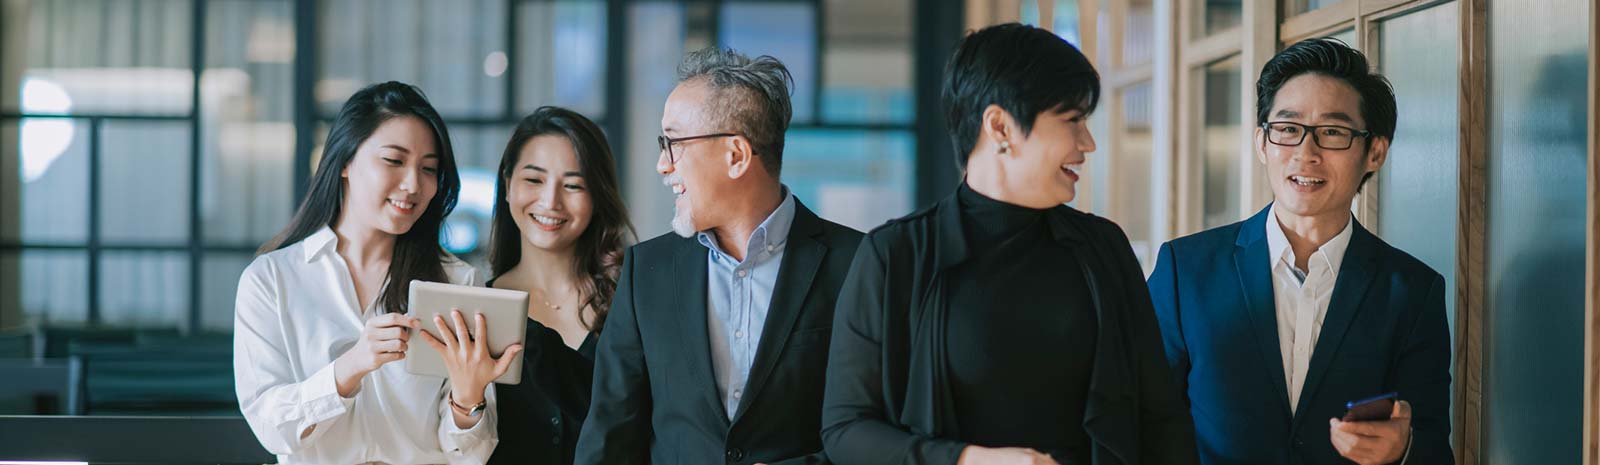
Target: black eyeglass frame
[
  {"x": 1317, "y": 138},
  {"x": 665, "y": 143}
]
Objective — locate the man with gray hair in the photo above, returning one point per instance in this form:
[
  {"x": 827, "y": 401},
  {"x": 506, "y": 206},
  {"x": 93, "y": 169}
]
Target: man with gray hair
[{"x": 716, "y": 344}]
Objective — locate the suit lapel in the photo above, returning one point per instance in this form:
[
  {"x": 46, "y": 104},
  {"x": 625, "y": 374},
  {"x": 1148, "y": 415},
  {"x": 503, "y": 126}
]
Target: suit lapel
[
  {"x": 1355, "y": 276},
  {"x": 689, "y": 270},
  {"x": 1251, "y": 264},
  {"x": 802, "y": 257}
]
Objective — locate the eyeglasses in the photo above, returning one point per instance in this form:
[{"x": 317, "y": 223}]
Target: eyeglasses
[
  {"x": 666, "y": 143},
  {"x": 1328, "y": 137}
]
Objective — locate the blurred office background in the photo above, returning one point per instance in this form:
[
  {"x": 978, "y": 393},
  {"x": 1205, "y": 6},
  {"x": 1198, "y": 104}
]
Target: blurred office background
[{"x": 148, "y": 147}]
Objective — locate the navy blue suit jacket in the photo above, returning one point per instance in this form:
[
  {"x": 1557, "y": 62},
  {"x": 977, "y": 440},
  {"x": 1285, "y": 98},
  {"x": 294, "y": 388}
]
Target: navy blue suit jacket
[{"x": 1385, "y": 331}]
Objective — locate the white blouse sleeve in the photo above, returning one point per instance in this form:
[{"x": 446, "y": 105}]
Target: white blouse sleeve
[
  {"x": 472, "y": 445},
  {"x": 283, "y": 412}
]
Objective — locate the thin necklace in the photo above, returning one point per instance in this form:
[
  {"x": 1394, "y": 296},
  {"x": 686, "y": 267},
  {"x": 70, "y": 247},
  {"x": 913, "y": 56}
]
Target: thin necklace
[{"x": 546, "y": 299}]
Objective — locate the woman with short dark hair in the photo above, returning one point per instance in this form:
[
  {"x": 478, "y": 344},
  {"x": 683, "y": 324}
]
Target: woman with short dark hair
[{"x": 999, "y": 325}]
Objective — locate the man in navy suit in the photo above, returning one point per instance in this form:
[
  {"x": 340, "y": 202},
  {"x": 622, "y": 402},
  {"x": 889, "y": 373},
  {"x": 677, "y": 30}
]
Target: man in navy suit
[{"x": 1273, "y": 324}]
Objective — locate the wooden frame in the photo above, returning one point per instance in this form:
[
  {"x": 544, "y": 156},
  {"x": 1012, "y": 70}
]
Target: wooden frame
[
  {"x": 1591, "y": 334},
  {"x": 1187, "y": 192},
  {"x": 1091, "y": 46},
  {"x": 1260, "y": 44},
  {"x": 1212, "y": 48},
  {"x": 1471, "y": 223},
  {"x": 982, "y": 13},
  {"x": 1311, "y": 23},
  {"x": 1332, "y": 18},
  {"x": 1163, "y": 133},
  {"x": 1192, "y": 54}
]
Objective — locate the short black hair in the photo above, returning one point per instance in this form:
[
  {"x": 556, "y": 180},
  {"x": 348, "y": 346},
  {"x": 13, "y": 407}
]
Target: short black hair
[
  {"x": 1023, "y": 69},
  {"x": 1332, "y": 58}
]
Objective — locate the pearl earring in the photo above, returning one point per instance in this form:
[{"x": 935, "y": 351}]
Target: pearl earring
[{"x": 1005, "y": 147}]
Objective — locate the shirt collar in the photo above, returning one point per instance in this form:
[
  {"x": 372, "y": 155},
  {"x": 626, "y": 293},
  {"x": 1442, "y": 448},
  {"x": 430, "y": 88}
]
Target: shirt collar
[
  {"x": 1332, "y": 253},
  {"x": 772, "y": 233},
  {"x": 318, "y": 242}
]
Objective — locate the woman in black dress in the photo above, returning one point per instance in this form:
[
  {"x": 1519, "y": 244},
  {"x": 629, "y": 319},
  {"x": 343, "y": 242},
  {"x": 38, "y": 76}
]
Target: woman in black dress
[
  {"x": 999, "y": 325},
  {"x": 558, "y": 234}
]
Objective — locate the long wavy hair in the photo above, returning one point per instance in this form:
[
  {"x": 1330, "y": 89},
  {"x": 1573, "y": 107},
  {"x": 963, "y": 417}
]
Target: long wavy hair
[
  {"x": 417, "y": 253},
  {"x": 597, "y": 257}
]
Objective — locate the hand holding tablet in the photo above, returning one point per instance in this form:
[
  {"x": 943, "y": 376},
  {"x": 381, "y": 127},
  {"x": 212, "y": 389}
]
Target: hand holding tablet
[{"x": 481, "y": 330}]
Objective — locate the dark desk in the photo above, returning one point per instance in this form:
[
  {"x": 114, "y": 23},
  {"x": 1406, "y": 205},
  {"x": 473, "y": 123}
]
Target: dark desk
[{"x": 130, "y": 440}]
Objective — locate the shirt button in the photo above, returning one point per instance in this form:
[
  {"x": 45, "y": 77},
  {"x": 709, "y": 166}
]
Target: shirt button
[
  {"x": 742, "y": 273},
  {"x": 738, "y": 334},
  {"x": 772, "y": 248},
  {"x": 555, "y": 421},
  {"x": 737, "y": 393}
]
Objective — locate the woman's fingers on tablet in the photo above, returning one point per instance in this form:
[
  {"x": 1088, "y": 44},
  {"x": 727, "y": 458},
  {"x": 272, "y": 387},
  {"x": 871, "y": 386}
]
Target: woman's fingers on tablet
[
  {"x": 434, "y": 342},
  {"x": 504, "y": 363},
  {"x": 480, "y": 328},
  {"x": 390, "y": 345},
  {"x": 462, "y": 336},
  {"x": 391, "y": 319},
  {"x": 448, "y": 336},
  {"x": 386, "y": 357},
  {"x": 385, "y": 333}
]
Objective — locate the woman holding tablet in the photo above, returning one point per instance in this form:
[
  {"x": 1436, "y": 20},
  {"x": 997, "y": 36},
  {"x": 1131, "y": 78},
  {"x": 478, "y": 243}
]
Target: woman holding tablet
[
  {"x": 321, "y": 311},
  {"x": 559, "y": 229}
]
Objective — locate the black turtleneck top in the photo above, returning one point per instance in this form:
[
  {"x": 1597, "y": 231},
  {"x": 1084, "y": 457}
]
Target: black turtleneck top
[{"x": 1021, "y": 333}]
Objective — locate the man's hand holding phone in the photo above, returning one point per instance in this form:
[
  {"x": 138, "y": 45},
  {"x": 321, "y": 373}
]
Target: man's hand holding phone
[{"x": 1368, "y": 438}]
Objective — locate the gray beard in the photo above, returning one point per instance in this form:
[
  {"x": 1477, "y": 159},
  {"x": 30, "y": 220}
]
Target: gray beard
[{"x": 683, "y": 223}]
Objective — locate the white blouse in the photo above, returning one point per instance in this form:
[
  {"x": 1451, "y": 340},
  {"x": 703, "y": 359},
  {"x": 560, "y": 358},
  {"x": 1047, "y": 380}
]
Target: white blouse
[{"x": 296, "y": 312}]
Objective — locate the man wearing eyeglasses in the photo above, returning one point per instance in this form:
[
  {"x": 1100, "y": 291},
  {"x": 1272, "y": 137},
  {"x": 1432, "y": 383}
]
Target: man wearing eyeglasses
[
  {"x": 1274, "y": 325},
  {"x": 717, "y": 341}
]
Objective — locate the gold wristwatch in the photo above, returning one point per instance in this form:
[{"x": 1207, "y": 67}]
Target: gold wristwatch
[{"x": 475, "y": 410}]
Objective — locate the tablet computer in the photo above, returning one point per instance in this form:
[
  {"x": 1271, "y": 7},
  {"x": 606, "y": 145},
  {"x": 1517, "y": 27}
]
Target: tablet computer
[{"x": 505, "y": 313}]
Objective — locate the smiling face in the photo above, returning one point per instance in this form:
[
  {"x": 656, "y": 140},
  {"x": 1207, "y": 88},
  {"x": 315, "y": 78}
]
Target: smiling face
[
  {"x": 392, "y": 177},
  {"x": 548, "y": 195},
  {"x": 1306, "y": 179},
  {"x": 702, "y": 172},
  {"x": 1035, "y": 170},
  {"x": 1046, "y": 163}
]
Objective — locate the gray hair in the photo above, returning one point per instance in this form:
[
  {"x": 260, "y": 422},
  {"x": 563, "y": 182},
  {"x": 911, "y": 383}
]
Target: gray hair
[{"x": 749, "y": 96}]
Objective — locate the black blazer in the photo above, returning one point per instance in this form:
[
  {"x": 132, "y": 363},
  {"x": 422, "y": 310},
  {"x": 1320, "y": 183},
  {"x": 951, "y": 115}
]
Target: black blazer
[
  {"x": 888, "y": 398},
  {"x": 1385, "y": 331},
  {"x": 655, "y": 396}
]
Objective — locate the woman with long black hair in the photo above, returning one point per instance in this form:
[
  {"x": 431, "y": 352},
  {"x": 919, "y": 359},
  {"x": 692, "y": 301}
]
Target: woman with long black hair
[
  {"x": 320, "y": 313},
  {"x": 559, "y": 229}
]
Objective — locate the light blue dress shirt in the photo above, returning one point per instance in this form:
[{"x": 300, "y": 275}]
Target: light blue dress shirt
[{"x": 738, "y": 295}]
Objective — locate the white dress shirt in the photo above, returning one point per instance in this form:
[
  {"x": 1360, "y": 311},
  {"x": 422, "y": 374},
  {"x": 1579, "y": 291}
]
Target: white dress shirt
[
  {"x": 1302, "y": 298},
  {"x": 296, "y": 312}
]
